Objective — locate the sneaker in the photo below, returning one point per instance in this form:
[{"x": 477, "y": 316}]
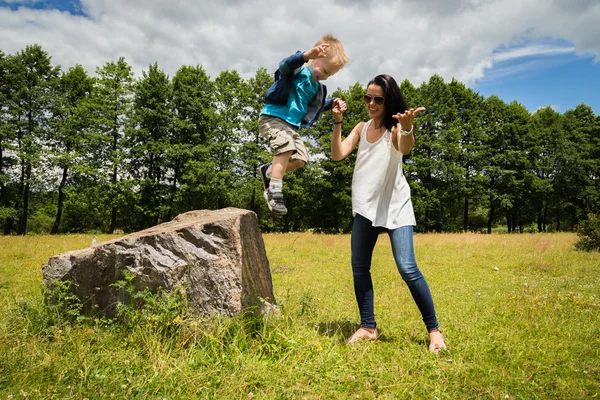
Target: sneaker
[
  {"x": 275, "y": 202},
  {"x": 262, "y": 170},
  {"x": 363, "y": 333}
]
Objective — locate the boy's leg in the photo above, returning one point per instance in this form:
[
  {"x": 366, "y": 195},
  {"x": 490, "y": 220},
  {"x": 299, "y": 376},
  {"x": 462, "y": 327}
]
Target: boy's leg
[
  {"x": 279, "y": 165},
  {"x": 299, "y": 158},
  {"x": 281, "y": 139},
  {"x": 288, "y": 161},
  {"x": 282, "y": 163},
  {"x": 294, "y": 164},
  {"x": 265, "y": 170},
  {"x": 274, "y": 191}
]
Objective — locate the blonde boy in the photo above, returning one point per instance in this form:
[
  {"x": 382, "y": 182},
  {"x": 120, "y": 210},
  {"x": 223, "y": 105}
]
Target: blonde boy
[{"x": 296, "y": 99}]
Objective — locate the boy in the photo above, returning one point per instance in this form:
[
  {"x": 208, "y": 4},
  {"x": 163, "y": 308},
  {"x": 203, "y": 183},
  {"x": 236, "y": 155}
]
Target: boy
[{"x": 295, "y": 99}]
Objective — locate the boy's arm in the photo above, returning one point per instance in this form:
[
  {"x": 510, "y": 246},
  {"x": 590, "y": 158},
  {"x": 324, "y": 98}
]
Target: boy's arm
[{"x": 288, "y": 65}]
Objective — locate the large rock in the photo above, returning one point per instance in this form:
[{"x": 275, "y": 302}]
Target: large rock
[{"x": 217, "y": 258}]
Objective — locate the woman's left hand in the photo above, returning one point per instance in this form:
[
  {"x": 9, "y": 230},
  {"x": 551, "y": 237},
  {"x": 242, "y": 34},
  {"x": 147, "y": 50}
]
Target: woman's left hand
[{"x": 405, "y": 120}]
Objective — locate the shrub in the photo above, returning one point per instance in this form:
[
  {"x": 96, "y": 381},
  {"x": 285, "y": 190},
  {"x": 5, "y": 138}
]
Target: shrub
[
  {"x": 158, "y": 310},
  {"x": 56, "y": 309},
  {"x": 589, "y": 233}
]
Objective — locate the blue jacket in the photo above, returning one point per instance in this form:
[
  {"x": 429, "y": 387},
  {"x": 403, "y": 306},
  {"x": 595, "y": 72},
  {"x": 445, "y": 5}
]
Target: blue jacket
[{"x": 279, "y": 92}]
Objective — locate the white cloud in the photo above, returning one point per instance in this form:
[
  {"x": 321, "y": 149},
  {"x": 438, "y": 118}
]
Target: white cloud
[
  {"x": 532, "y": 51},
  {"x": 408, "y": 39}
]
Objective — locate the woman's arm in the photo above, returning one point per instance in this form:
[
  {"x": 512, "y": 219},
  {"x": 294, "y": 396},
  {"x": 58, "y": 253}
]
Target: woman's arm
[
  {"x": 340, "y": 149},
  {"x": 402, "y": 143},
  {"x": 405, "y": 142}
]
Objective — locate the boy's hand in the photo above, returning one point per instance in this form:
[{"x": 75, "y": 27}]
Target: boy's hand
[
  {"x": 338, "y": 107},
  {"x": 319, "y": 51}
]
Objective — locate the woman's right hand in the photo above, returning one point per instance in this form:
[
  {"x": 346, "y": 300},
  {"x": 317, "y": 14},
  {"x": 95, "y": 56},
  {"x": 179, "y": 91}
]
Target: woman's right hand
[{"x": 338, "y": 107}]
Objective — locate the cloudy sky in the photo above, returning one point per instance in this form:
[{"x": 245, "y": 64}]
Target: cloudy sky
[{"x": 538, "y": 52}]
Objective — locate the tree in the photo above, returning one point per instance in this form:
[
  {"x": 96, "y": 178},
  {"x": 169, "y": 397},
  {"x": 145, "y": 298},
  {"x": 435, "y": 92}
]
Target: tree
[
  {"x": 471, "y": 142},
  {"x": 254, "y": 149},
  {"x": 188, "y": 153},
  {"x": 31, "y": 76},
  {"x": 436, "y": 153},
  {"x": 6, "y": 143},
  {"x": 577, "y": 169},
  {"x": 414, "y": 99},
  {"x": 494, "y": 118},
  {"x": 547, "y": 141},
  {"x": 68, "y": 134},
  {"x": 516, "y": 178},
  {"x": 226, "y": 138},
  {"x": 112, "y": 99},
  {"x": 148, "y": 139}
]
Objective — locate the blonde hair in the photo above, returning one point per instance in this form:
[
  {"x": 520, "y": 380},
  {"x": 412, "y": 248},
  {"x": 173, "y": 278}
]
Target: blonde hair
[{"x": 335, "y": 53}]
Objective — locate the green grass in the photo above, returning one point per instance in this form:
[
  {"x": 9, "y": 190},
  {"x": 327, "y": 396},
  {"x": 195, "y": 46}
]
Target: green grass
[{"x": 519, "y": 312}]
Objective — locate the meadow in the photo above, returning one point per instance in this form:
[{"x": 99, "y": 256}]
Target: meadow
[{"x": 519, "y": 313}]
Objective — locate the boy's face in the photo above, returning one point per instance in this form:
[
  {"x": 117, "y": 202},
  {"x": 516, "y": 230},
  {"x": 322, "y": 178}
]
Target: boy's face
[{"x": 322, "y": 68}]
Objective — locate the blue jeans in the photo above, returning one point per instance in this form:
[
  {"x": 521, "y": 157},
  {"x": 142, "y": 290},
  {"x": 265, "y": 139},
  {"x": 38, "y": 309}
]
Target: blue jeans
[{"x": 364, "y": 237}]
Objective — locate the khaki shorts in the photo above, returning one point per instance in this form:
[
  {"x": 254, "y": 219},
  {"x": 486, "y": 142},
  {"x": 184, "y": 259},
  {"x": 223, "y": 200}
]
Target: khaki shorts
[{"x": 282, "y": 137}]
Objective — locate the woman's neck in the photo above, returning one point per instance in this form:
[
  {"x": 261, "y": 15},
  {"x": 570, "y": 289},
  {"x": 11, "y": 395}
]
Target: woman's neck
[{"x": 378, "y": 123}]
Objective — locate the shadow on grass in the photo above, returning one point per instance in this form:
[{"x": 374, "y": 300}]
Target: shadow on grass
[{"x": 345, "y": 329}]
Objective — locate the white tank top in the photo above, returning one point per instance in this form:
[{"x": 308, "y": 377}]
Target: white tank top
[{"x": 380, "y": 191}]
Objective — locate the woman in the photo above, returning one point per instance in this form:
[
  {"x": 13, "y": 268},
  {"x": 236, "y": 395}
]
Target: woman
[{"x": 381, "y": 200}]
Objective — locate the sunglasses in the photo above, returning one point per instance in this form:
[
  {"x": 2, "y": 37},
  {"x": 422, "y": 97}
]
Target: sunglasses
[{"x": 378, "y": 99}]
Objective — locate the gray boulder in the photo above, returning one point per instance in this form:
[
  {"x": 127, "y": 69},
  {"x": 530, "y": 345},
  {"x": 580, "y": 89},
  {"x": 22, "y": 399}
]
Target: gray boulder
[{"x": 217, "y": 259}]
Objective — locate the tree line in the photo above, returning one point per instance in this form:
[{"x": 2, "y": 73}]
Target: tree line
[{"x": 112, "y": 152}]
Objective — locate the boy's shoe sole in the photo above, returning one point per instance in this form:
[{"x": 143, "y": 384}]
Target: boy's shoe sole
[
  {"x": 262, "y": 171},
  {"x": 275, "y": 202}
]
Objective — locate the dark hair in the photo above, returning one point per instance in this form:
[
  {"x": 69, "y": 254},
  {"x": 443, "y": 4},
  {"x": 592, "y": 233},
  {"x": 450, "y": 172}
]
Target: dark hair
[{"x": 394, "y": 99}]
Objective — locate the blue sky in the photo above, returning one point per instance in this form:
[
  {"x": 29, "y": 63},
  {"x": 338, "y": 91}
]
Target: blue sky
[
  {"x": 538, "y": 53},
  {"x": 71, "y": 6},
  {"x": 560, "y": 81}
]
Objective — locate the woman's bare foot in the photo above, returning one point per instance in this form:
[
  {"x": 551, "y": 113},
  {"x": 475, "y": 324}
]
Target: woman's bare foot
[
  {"x": 363, "y": 333},
  {"x": 436, "y": 341}
]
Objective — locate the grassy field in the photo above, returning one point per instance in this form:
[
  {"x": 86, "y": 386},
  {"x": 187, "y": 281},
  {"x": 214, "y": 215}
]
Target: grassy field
[{"x": 520, "y": 315}]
